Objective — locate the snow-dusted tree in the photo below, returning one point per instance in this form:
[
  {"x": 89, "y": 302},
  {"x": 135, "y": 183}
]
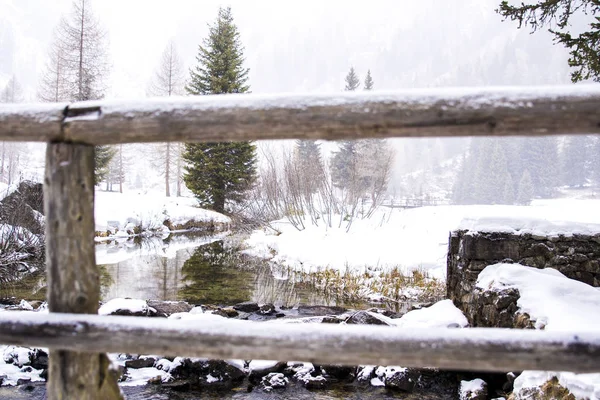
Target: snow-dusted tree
[
  {"x": 12, "y": 92},
  {"x": 576, "y": 160},
  {"x": 52, "y": 87},
  {"x": 369, "y": 84},
  {"x": 374, "y": 167},
  {"x": 116, "y": 169},
  {"x": 78, "y": 66},
  {"x": 168, "y": 81},
  {"x": 525, "y": 190},
  {"x": 12, "y": 152},
  {"x": 352, "y": 81}
]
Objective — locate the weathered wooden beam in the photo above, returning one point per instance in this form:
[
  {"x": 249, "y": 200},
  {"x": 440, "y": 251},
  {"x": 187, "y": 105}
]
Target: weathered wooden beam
[
  {"x": 31, "y": 122},
  {"x": 73, "y": 279},
  {"x": 465, "y": 349},
  {"x": 411, "y": 113}
]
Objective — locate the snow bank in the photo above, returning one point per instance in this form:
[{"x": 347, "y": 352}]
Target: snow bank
[
  {"x": 114, "y": 211},
  {"x": 552, "y": 300},
  {"x": 414, "y": 238},
  {"x": 555, "y": 303},
  {"x": 442, "y": 314}
]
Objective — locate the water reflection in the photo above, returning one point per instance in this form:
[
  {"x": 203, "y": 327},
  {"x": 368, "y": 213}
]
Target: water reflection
[{"x": 200, "y": 270}]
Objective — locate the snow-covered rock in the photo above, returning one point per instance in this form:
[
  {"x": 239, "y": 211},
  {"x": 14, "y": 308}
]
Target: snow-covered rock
[
  {"x": 134, "y": 307},
  {"x": 473, "y": 390}
]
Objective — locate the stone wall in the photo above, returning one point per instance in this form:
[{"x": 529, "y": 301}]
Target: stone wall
[{"x": 576, "y": 256}]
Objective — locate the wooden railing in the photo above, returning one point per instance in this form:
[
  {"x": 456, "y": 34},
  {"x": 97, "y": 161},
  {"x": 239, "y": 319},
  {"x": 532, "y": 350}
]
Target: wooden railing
[{"x": 77, "y": 341}]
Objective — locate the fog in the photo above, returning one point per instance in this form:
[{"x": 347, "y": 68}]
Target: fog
[
  {"x": 309, "y": 46},
  {"x": 300, "y": 46}
]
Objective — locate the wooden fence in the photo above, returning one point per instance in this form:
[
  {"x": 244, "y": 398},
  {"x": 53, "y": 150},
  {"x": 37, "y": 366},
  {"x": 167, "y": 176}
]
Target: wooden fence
[{"x": 78, "y": 340}]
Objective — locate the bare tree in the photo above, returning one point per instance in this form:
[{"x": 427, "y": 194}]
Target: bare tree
[
  {"x": 78, "y": 66},
  {"x": 12, "y": 152},
  {"x": 168, "y": 81},
  {"x": 53, "y": 85}
]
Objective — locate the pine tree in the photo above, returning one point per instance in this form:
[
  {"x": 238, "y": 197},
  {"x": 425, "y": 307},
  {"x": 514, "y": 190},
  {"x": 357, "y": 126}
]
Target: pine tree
[
  {"x": 104, "y": 155},
  {"x": 352, "y": 82},
  {"x": 584, "y": 47},
  {"x": 307, "y": 156},
  {"x": 575, "y": 160},
  {"x": 77, "y": 67},
  {"x": 343, "y": 164},
  {"x": 525, "y": 191},
  {"x": 369, "y": 84},
  {"x": 539, "y": 156},
  {"x": 596, "y": 163},
  {"x": 220, "y": 172},
  {"x": 12, "y": 92}
]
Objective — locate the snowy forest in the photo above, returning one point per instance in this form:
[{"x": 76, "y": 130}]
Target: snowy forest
[
  {"x": 505, "y": 171},
  {"x": 443, "y": 235}
]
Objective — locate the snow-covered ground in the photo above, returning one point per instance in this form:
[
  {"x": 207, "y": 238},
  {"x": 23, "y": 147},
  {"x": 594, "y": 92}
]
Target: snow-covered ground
[
  {"x": 555, "y": 303},
  {"x": 413, "y": 238},
  {"x": 115, "y": 211}
]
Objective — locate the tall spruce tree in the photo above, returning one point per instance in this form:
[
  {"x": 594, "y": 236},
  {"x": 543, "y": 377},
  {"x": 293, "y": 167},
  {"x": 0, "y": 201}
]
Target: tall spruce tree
[
  {"x": 369, "y": 84},
  {"x": 220, "y": 172},
  {"x": 352, "y": 81}
]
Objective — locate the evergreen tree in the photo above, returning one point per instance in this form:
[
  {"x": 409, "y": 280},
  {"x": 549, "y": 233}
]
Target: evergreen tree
[
  {"x": 509, "y": 190},
  {"x": 575, "y": 160},
  {"x": 539, "y": 156},
  {"x": 220, "y": 172},
  {"x": 307, "y": 156},
  {"x": 596, "y": 162},
  {"x": 343, "y": 164},
  {"x": 369, "y": 84},
  {"x": 352, "y": 81},
  {"x": 525, "y": 191},
  {"x": 220, "y": 59},
  {"x": 584, "y": 47},
  {"x": 104, "y": 156}
]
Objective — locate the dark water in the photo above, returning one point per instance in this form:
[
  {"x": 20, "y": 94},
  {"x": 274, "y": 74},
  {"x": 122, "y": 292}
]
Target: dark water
[{"x": 37, "y": 391}]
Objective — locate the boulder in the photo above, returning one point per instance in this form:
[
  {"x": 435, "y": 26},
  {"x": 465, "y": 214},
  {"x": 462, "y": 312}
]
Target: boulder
[
  {"x": 340, "y": 372},
  {"x": 247, "y": 307},
  {"x": 473, "y": 390},
  {"x": 145, "y": 362},
  {"x": 274, "y": 381},
  {"x": 259, "y": 369},
  {"x": 366, "y": 318},
  {"x": 24, "y": 207},
  {"x": 320, "y": 310},
  {"x": 167, "y": 308},
  {"x": 39, "y": 359},
  {"x": 267, "y": 309}
]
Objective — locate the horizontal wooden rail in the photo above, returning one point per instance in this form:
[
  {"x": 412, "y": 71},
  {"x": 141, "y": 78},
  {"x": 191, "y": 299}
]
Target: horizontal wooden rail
[
  {"x": 436, "y": 112},
  {"x": 482, "y": 349}
]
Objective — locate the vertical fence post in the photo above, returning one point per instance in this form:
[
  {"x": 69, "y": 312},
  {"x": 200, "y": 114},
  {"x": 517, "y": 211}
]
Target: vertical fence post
[{"x": 73, "y": 279}]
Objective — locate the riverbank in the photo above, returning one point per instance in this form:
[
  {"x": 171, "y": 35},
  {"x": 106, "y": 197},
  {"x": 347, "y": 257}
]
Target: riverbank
[{"x": 132, "y": 213}]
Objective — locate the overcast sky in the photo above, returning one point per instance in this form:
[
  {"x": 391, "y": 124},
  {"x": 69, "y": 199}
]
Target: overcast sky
[{"x": 294, "y": 46}]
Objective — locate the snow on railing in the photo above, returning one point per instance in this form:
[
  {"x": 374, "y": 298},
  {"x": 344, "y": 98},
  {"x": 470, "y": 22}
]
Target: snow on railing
[{"x": 431, "y": 112}]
